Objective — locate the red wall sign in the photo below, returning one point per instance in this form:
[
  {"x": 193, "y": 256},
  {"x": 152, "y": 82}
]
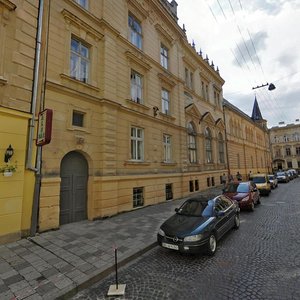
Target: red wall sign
[{"x": 44, "y": 127}]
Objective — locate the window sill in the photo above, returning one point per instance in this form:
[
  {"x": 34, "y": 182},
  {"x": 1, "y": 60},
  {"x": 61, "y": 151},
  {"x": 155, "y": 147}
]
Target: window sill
[
  {"x": 136, "y": 104},
  {"x": 168, "y": 117},
  {"x": 3, "y": 81},
  {"x": 136, "y": 163},
  {"x": 164, "y": 163},
  {"x": 77, "y": 128},
  {"x": 71, "y": 79}
]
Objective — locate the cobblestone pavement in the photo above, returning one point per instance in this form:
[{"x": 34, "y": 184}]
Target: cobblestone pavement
[
  {"x": 58, "y": 263},
  {"x": 259, "y": 261}
]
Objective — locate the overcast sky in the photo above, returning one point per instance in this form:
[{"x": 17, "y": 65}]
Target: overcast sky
[{"x": 253, "y": 42}]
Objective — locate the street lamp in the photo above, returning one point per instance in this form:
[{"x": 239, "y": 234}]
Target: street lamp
[{"x": 270, "y": 88}]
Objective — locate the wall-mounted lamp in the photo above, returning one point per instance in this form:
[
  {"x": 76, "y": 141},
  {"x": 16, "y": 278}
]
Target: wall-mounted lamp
[
  {"x": 8, "y": 153},
  {"x": 155, "y": 110}
]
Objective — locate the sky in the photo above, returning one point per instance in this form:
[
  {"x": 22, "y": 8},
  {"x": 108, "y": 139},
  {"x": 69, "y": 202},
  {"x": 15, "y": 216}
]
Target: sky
[{"x": 253, "y": 42}]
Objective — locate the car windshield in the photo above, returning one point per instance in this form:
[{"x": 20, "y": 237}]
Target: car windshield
[
  {"x": 260, "y": 179},
  {"x": 243, "y": 188},
  {"x": 231, "y": 188},
  {"x": 280, "y": 174},
  {"x": 271, "y": 177},
  {"x": 196, "y": 208}
]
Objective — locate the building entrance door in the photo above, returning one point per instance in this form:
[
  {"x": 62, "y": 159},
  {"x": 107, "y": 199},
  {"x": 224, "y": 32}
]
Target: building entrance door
[{"x": 73, "y": 188}]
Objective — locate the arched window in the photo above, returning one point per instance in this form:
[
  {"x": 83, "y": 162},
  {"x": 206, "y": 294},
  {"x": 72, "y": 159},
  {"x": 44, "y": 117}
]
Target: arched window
[
  {"x": 221, "y": 148},
  {"x": 192, "y": 147},
  {"x": 208, "y": 145}
]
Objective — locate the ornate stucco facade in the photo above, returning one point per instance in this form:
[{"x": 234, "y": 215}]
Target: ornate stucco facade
[
  {"x": 139, "y": 120},
  {"x": 285, "y": 145},
  {"x": 247, "y": 142}
]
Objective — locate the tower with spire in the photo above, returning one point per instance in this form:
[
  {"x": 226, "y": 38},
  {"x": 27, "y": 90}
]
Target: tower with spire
[{"x": 256, "y": 114}]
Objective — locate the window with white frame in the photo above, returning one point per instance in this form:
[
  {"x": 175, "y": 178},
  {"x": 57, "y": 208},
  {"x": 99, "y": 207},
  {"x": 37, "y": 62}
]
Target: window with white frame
[
  {"x": 208, "y": 145},
  {"x": 83, "y": 3},
  {"x": 138, "y": 196},
  {"x": 298, "y": 150},
  {"x": 221, "y": 148},
  {"x": 167, "y": 148},
  {"x": 164, "y": 56},
  {"x": 188, "y": 78},
  {"x": 137, "y": 144},
  {"x": 80, "y": 61},
  {"x": 78, "y": 118},
  {"x": 192, "y": 149},
  {"x": 136, "y": 87},
  {"x": 135, "y": 29},
  {"x": 165, "y": 98},
  {"x": 288, "y": 151}
]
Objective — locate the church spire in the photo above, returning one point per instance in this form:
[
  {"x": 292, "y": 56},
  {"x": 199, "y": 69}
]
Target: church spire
[{"x": 256, "y": 114}]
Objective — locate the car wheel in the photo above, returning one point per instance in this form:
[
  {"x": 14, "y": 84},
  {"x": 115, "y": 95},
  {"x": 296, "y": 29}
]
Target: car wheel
[
  {"x": 236, "y": 222},
  {"x": 212, "y": 245},
  {"x": 251, "y": 206}
]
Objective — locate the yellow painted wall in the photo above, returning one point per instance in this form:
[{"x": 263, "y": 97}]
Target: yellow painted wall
[{"x": 16, "y": 192}]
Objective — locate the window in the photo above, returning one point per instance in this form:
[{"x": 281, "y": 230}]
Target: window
[
  {"x": 192, "y": 143},
  {"x": 80, "y": 61},
  {"x": 164, "y": 52},
  {"x": 136, "y": 87},
  {"x": 191, "y": 185},
  {"x": 208, "y": 181},
  {"x": 188, "y": 78},
  {"x": 217, "y": 97},
  {"x": 297, "y": 150},
  {"x": 221, "y": 148},
  {"x": 298, "y": 164},
  {"x": 167, "y": 148},
  {"x": 204, "y": 86},
  {"x": 208, "y": 145},
  {"x": 289, "y": 164},
  {"x": 278, "y": 153},
  {"x": 165, "y": 98},
  {"x": 196, "y": 185},
  {"x": 137, "y": 144},
  {"x": 135, "y": 31},
  {"x": 169, "y": 191},
  {"x": 213, "y": 181},
  {"x": 288, "y": 151},
  {"x": 138, "y": 196},
  {"x": 83, "y": 3},
  {"x": 78, "y": 118}
]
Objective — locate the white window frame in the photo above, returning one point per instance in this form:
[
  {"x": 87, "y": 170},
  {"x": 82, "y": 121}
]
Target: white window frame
[
  {"x": 137, "y": 144},
  {"x": 221, "y": 148},
  {"x": 167, "y": 142},
  {"x": 192, "y": 146},
  {"x": 165, "y": 101},
  {"x": 208, "y": 145},
  {"x": 138, "y": 197},
  {"x": 135, "y": 31},
  {"x": 80, "y": 61},
  {"x": 164, "y": 56},
  {"x": 136, "y": 87}
]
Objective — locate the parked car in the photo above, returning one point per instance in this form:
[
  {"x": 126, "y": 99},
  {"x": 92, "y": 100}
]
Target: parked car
[
  {"x": 273, "y": 180},
  {"x": 198, "y": 224},
  {"x": 263, "y": 184},
  {"x": 282, "y": 177},
  {"x": 245, "y": 193},
  {"x": 293, "y": 172}
]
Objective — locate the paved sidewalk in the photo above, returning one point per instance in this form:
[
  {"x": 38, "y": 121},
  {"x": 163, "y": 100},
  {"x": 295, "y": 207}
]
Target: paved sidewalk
[{"x": 56, "y": 264}]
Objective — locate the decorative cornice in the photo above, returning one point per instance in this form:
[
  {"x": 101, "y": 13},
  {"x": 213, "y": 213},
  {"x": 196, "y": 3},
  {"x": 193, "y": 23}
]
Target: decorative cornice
[
  {"x": 138, "y": 59},
  {"x": 167, "y": 78},
  {"x": 71, "y": 18},
  {"x": 164, "y": 33},
  {"x": 136, "y": 5},
  {"x": 8, "y": 4}
]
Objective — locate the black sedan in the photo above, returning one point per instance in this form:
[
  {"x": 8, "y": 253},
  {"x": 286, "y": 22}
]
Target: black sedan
[{"x": 199, "y": 223}]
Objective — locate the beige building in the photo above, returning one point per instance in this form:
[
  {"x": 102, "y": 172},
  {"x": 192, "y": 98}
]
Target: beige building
[
  {"x": 247, "y": 141},
  {"x": 137, "y": 112},
  {"x": 285, "y": 145}
]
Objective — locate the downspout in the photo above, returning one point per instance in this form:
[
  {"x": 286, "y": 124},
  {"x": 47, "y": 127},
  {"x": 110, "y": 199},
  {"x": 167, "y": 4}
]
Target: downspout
[{"x": 37, "y": 169}]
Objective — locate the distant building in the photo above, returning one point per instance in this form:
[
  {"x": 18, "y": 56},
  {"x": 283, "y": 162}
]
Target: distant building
[
  {"x": 285, "y": 145},
  {"x": 247, "y": 141}
]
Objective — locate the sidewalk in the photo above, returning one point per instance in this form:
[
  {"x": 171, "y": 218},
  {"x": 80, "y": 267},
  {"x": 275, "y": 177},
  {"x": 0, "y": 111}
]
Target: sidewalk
[{"x": 56, "y": 264}]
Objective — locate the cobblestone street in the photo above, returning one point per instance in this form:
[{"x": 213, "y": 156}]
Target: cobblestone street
[{"x": 259, "y": 261}]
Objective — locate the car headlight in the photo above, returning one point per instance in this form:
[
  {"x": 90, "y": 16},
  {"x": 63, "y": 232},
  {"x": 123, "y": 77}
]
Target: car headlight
[
  {"x": 245, "y": 199},
  {"x": 193, "y": 238},
  {"x": 161, "y": 232}
]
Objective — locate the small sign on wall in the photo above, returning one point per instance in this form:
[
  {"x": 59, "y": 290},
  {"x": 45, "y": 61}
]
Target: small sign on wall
[{"x": 44, "y": 127}]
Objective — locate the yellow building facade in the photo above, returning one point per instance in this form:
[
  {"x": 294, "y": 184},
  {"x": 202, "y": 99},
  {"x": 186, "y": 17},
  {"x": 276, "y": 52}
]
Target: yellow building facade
[
  {"x": 17, "y": 56},
  {"x": 137, "y": 112},
  {"x": 285, "y": 145},
  {"x": 247, "y": 141}
]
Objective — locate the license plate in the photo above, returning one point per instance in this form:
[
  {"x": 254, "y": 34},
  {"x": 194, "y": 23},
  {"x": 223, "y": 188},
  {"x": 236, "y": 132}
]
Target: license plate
[{"x": 170, "y": 246}]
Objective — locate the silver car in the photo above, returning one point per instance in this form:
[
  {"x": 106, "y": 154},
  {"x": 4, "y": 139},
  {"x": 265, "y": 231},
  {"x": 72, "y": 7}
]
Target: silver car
[{"x": 273, "y": 180}]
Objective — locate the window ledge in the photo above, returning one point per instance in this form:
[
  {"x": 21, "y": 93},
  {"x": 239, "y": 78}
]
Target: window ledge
[
  {"x": 68, "y": 78},
  {"x": 3, "y": 81},
  {"x": 165, "y": 116},
  {"x": 140, "y": 105},
  {"x": 138, "y": 163},
  {"x": 164, "y": 163},
  {"x": 77, "y": 128}
]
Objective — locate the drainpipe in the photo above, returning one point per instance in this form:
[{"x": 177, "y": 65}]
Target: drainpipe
[{"x": 37, "y": 168}]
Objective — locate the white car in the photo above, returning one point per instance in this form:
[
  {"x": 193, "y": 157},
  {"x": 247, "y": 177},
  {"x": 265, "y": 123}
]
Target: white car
[{"x": 273, "y": 180}]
